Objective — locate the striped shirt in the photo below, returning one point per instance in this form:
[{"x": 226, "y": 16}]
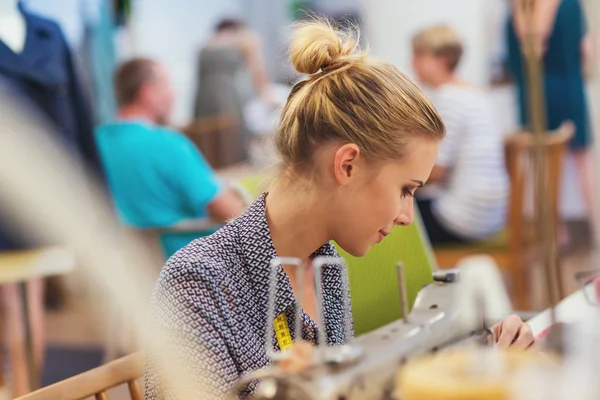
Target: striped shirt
[{"x": 472, "y": 200}]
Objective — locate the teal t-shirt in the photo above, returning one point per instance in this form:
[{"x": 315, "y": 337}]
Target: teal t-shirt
[{"x": 157, "y": 178}]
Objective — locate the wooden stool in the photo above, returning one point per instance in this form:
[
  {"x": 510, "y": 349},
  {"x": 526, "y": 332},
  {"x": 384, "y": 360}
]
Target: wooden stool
[
  {"x": 510, "y": 250},
  {"x": 21, "y": 274}
]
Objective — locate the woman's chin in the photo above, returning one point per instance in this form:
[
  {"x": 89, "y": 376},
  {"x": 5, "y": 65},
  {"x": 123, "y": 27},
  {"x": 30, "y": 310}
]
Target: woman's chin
[{"x": 359, "y": 251}]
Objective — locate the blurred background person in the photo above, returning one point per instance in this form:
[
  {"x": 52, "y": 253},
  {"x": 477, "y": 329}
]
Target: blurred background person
[
  {"x": 560, "y": 38},
  {"x": 156, "y": 175},
  {"x": 468, "y": 200},
  {"x": 231, "y": 71}
]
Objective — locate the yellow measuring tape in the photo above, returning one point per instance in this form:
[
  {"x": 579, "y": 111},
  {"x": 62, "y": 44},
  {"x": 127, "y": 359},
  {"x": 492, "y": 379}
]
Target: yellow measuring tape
[{"x": 282, "y": 331}]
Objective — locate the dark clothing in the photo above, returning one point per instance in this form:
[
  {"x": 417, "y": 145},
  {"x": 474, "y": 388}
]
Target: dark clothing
[
  {"x": 212, "y": 298},
  {"x": 564, "y": 83},
  {"x": 45, "y": 75},
  {"x": 436, "y": 232}
]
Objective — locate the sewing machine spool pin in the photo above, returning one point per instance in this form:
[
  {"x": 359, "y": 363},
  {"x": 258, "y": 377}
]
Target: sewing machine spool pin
[
  {"x": 349, "y": 352},
  {"x": 276, "y": 263},
  {"x": 403, "y": 292}
]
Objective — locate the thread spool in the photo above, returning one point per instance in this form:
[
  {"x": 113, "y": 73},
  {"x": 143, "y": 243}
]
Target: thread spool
[{"x": 465, "y": 374}]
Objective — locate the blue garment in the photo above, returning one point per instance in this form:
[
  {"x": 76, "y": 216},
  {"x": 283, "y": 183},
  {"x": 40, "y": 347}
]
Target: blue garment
[
  {"x": 157, "y": 178},
  {"x": 44, "y": 74},
  {"x": 563, "y": 73},
  {"x": 88, "y": 26},
  {"x": 104, "y": 59}
]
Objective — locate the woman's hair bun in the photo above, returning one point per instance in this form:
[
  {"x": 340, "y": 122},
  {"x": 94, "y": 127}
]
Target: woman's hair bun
[{"x": 316, "y": 45}]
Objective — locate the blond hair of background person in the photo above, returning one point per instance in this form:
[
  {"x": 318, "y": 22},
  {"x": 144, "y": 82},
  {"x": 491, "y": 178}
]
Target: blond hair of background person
[
  {"x": 559, "y": 31},
  {"x": 469, "y": 200},
  {"x": 156, "y": 175},
  {"x": 357, "y": 138}
]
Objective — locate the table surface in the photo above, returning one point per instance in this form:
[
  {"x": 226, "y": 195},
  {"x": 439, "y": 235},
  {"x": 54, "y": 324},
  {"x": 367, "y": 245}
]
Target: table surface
[
  {"x": 19, "y": 266},
  {"x": 573, "y": 308}
]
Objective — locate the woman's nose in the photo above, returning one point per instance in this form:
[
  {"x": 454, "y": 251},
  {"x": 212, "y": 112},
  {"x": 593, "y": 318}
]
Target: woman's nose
[{"x": 406, "y": 215}]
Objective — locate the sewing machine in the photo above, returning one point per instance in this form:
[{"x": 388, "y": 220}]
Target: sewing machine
[{"x": 447, "y": 313}]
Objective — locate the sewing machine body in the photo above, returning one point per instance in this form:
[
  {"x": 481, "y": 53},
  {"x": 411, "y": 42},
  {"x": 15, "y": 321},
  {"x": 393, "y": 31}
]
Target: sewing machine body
[{"x": 365, "y": 368}]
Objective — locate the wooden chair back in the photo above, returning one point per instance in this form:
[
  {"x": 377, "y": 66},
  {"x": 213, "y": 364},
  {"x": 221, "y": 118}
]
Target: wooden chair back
[
  {"x": 204, "y": 132},
  {"x": 96, "y": 382}
]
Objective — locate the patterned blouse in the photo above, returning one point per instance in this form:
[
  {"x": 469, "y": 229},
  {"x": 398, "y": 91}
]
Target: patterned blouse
[{"x": 212, "y": 298}]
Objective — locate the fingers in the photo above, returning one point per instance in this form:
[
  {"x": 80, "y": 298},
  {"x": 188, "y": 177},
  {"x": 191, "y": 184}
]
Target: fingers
[
  {"x": 513, "y": 332},
  {"x": 525, "y": 338}
]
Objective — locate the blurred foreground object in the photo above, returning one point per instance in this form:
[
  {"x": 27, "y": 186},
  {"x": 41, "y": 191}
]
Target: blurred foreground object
[
  {"x": 466, "y": 374},
  {"x": 575, "y": 377},
  {"x": 49, "y": 199},
  {"x": 97, "y": 382}
]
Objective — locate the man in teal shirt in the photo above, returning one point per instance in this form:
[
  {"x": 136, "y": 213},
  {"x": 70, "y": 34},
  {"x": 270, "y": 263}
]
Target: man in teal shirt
[{"x": 156, "y": 175}]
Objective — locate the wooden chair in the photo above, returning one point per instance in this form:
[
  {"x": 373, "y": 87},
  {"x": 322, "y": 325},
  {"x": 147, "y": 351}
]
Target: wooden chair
[
  {"x": 97, "y": 382},
  {"x": 510, "y": 247},
  {"x": 204, "y": 132}
]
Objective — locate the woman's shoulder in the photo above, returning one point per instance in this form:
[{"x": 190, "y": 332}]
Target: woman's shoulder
[{"x": 207, "y": 259}]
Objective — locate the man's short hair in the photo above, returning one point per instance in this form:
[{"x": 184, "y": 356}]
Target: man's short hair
[
  {"x": 440, "y": 40},
  {"x": 229, "y": 24},
  {"x": 130, "y": 77}
]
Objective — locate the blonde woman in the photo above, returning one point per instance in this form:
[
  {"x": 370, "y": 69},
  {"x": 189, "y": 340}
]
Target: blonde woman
[{"x": 357, "y": 138}]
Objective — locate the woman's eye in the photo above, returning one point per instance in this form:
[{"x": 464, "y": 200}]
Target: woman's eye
[{"x": 407, "y": 192}]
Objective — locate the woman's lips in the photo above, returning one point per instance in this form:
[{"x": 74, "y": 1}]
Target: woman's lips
[{"x": 382, "y": 234}]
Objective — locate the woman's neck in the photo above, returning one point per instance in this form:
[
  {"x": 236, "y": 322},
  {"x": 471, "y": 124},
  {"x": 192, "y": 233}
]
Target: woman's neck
[{"x": 297, "y": 229}]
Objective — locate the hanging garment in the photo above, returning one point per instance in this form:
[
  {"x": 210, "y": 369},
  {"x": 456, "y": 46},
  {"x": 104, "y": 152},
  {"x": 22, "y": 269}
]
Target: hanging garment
[
  {"x": 88, "y": 27},
  {"x": 103, "y": 59},
  {"x": 563, "y": 79},
  {"x": 44, "y": 74}
]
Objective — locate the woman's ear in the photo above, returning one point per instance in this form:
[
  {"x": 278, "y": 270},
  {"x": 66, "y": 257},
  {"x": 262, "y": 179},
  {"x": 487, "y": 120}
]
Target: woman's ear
[{"x": 345, "y": 163}]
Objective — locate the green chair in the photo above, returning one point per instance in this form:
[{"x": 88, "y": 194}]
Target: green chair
[{"x": 373, "y": 278}]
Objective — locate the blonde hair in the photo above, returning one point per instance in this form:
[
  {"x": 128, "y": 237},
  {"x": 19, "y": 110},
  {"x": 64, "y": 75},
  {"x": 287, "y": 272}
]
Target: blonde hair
[
  {"x": 440, "y": 40},
  {"x": 348, "y": 97}
]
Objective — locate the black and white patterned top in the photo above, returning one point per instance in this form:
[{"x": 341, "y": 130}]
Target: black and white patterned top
[{"x": 212, "y": 298}]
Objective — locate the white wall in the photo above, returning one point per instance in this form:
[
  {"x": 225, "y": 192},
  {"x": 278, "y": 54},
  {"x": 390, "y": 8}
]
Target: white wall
[
  {"x": 390, "y": 24},
  {"x": 271, "y": 20},
  {"x": 172, "y": 32}
]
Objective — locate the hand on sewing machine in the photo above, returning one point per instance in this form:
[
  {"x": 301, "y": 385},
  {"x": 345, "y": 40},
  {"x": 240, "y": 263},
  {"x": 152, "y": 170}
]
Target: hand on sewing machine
[{"x": 513, "y": 332}]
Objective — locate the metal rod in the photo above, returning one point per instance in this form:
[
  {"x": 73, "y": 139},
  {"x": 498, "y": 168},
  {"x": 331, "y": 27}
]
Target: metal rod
[
  {"x": 403, "y": 292},
  {"x": 545, "y": 218},
  {"x": 299, "y": 301},
  {"x": 32, "y": 367}
]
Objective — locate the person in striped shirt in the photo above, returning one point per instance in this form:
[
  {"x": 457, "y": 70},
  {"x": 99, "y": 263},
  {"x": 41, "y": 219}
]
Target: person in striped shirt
[{"x": 467, "y": 201}]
